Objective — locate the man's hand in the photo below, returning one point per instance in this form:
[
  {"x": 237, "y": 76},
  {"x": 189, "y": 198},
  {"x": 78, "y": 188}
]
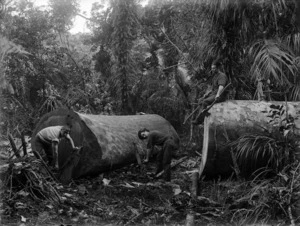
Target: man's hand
[
  {"x": 148, "y": 154},
  {"x": 76, "y": 149},
  {"x": 67, "y": 136},
  {"x": 217, "y": 98},
  {"x": 200, "y": 101}
]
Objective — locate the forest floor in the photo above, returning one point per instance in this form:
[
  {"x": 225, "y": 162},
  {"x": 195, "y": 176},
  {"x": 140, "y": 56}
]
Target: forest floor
[{"x": 126, "y": 196}]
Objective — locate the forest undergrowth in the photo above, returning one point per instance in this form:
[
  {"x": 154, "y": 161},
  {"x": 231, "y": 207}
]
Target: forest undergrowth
[{"x": 133, "y": 196}]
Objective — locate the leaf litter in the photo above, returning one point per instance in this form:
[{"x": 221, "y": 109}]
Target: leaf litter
[
  {"x": 131, "y": 195},
  {"x": 127, "y": 196}
]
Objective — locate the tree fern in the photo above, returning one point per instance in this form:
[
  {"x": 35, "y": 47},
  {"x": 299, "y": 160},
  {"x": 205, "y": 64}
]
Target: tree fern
[{"x": 125, "y": 32}]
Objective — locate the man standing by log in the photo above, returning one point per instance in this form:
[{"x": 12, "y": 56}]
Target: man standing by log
[
  {"x": 48, "y": 139},
  {"x": 164, "y": 157},
  {"x": 216, "y": 94}
]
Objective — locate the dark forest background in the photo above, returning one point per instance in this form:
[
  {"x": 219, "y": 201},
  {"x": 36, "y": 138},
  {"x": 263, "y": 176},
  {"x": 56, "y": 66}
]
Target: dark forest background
[{"x": 152, "y": 59}]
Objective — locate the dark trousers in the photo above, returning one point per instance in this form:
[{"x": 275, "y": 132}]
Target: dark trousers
[
  {"x": 210, "y": 99},
  {"x": 206, "y": 102},
  {"x": 164, "y": 158},
  {"x": 45, "y": 150}
]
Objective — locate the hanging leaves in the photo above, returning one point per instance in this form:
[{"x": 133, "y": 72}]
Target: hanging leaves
[{"x": 6, "y": 48}]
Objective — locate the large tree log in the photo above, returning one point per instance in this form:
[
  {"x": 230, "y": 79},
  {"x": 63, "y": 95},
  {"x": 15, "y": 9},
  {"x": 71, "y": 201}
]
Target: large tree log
[
  {"x": 108, "y": 141},
  {"x": 227, "y": 122}
]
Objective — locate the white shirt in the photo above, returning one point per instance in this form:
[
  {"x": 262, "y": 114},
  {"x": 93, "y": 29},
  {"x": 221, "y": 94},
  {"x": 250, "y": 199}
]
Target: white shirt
[{"x": 50, "y": 134}]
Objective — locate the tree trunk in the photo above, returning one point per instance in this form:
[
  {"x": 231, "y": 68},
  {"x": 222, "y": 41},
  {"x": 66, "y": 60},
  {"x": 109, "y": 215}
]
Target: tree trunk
[
  {"x": 227, "y": 122},
  {"x": 107, "y": 142}
]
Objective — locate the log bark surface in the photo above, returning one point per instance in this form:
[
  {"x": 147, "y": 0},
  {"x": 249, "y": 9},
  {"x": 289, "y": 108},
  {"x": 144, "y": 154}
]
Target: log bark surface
[
  {"x": 227, "y": 122},
  {"x": 107, "y": 141}
]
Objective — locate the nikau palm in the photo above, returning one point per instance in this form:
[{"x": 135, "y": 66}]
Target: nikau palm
[{"x": 262, "y": 34}]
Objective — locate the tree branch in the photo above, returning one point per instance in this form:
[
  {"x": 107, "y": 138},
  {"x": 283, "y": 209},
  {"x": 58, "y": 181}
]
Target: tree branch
[
  {"x": 177, "y": 48},
  {"x": 13, "y": 146},
  {"x": 84, "y": 17}
]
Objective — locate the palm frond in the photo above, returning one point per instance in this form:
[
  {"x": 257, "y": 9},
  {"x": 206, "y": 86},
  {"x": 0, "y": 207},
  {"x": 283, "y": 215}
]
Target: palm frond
[
  {"x": 293, "y": 41},
  {"x": 261, "y": 152},
  {"x": 295, "y": 93},
  {"x": 272, "y": 60}
]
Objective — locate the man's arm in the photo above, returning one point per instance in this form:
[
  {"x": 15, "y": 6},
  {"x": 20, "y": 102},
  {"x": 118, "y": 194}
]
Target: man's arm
[
  {"x": 219, "y": 91},
  {"x": 150, "y": 148},
  {"x": 222, "y": 81},
  {"x": 149, "y": 152},
  {"x": 207, "y": 92},
  {"x": 68, "y": 137}
]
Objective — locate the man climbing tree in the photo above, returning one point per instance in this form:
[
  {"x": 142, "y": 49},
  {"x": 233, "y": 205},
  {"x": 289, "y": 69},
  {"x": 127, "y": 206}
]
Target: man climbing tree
[{"x": 164, "y": 157}]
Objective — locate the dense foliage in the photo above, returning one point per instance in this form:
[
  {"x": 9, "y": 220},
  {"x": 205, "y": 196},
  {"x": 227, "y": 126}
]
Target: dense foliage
[
  {"x": 143, "y": 58},
  {"x": 156, "y": 59}
]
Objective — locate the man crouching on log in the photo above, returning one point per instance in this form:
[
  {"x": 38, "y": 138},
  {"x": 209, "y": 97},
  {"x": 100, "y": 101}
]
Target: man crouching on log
[
  {"x": 48, "y": 139},
  {"x": 164, "y": 156}
]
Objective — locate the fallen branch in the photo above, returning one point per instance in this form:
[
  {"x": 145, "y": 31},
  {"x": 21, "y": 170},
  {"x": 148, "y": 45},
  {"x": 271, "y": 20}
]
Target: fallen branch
[
  {"x": 30, "y": 176},
  {"x": 13, "y": 146},
  {"x": 133, "y": 218},
  {"x": 198, "y": 153},
  {"x": 172, "y": 165},
  {"x": 44, "y": 164}
]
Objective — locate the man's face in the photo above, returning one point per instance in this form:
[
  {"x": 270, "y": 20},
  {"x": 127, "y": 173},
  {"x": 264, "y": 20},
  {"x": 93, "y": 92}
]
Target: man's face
[
  {"x": 144, "y": 134},
  {"x": 64, "y": 133},
  {"x": 213, "y": 69}
]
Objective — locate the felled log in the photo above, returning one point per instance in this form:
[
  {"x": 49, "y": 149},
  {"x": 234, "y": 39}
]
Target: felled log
[
  {"x": 228, "y": 121},
  {"x": 107, "y": 142}
]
